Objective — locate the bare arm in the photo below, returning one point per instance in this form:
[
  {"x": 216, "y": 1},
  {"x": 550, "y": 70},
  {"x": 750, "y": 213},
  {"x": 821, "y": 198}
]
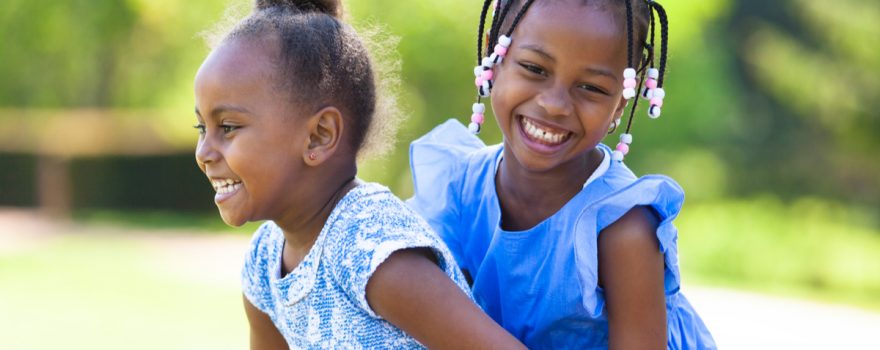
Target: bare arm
[
  {"x": 410, "y": 291},
  {"x": 631, "y": 272},
  {"x": 264, "y": 334}
]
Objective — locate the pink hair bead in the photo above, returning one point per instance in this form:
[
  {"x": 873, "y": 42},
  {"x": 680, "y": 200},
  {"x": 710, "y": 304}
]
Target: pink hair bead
[
  {"x": 487, "y": 74},
  {"x": 651, "y": 83},
  {"x": 478, "y": 118},
  {"x": 500, "y": 50},
  {"x": 623, "y": 148},
  {"x": 656, "y": 101},
  {"x": 479, "y": 81},
  {"x": 629, "y": 83}
]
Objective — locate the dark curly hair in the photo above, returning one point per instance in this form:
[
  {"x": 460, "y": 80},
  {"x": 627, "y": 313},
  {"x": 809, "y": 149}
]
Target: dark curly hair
[{"x": 321, "y": 60}]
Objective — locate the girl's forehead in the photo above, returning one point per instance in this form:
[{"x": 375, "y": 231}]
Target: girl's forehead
[{"x": 572, "y": 23}]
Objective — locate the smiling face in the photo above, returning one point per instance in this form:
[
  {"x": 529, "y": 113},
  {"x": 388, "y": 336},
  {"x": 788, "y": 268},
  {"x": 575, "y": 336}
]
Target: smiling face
[
  {"x": 252, "y": 141},
  {"x": 559, "y": 87}
]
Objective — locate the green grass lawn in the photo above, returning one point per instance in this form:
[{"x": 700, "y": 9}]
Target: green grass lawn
[
  {"x": 809, "y": 248},
  {"x": 84, "y": 291},
  {"x": 115, "y": 290}
]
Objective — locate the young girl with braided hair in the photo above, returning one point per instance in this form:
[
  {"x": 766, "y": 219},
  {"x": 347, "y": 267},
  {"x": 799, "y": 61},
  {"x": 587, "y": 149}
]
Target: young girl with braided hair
[
  {"x": 284, "y": 104},
  {"x": 562, "y": 244}
]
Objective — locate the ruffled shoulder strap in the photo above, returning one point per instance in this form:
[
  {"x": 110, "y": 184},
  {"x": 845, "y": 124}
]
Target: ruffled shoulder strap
[
  {"x": 659, "y": 192},
  {"x": 438, "y": 161}
]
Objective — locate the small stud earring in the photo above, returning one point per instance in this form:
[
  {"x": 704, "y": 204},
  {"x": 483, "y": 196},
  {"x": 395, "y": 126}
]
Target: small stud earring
[{"x": 313, "y": 156}]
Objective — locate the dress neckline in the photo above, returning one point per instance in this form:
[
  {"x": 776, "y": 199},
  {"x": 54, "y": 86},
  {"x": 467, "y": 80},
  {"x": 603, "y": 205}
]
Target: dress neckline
[{"x": 601, "y": 170}]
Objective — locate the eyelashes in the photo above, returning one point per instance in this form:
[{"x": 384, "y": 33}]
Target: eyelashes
[
  {"x": 531, "y": 68},
  {"x": 537, "y": 71},
  {"x": 225, "y": 127}
]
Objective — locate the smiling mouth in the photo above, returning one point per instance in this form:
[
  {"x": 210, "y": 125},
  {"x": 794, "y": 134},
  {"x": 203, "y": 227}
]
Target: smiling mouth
[
  {"x": 543, "y": 134},
  {"x": 224, "y": 186}
]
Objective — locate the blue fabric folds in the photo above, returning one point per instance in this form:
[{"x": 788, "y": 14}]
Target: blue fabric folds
[{"x": 541, "y": 284}]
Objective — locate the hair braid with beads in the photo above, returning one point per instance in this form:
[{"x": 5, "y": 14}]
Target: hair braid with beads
[{"x": 640, "y": 28}]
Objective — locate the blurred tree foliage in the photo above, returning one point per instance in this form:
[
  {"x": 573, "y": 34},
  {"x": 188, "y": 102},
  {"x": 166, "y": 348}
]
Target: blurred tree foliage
[
  {"x": 808, "y": 72},
  {"x": 776, "y": 97}
]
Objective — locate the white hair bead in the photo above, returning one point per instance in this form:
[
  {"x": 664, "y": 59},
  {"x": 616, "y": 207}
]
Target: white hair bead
[
  {"x": 653, "y": 73},
  {"x": 504, "y": 40},
  {"x": 478, "y": 108},
  {"x": 474, "y": 128},
  {"x": 629, "y": 93},
  {"x": 617, "y": 156},
  {"x": 478, "y": 70},
  {"x": 626, "y": 138},
  {"x": 485, "y": 88},
  {"x": 654, "y": 112},
  {"x": 647, "y": 93},
  {"x": 488, "y": 63},
  {"x": 495, "y": 58},
  {"x": 629, "y": 73},
  {"x": 658, "y": 92}
]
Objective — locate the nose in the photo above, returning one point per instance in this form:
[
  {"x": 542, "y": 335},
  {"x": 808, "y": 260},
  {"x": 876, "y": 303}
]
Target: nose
[
  {"x": 556, "y": 101},
  {"x": 206, "y": 151}
]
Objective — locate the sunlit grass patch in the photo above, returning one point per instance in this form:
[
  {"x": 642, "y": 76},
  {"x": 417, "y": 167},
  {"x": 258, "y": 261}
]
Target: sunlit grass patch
[
  {"x": 809, "y": 248},
  {"x": 86, "y": 291}
]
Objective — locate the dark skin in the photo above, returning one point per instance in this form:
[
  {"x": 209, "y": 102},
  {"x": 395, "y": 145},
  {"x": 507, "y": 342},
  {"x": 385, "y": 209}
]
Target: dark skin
[
  {"x": 555, "y": 79},
  {"x": 269, "y": 148}
]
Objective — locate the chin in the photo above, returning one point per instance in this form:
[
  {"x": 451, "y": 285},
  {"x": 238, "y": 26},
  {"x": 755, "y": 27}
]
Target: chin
[{"x": 232, "y": 220}]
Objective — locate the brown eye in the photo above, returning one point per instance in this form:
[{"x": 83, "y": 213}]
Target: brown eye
[
  {"x": 200, "y": 128},
  {"x": 229, "y": 128},
  {"x": 593, "y": 88}
]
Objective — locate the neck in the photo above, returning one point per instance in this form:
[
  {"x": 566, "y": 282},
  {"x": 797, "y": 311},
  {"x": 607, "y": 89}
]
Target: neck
[
  {"x": 528, "y": 197},
  {"x": 323, "y": 192}
]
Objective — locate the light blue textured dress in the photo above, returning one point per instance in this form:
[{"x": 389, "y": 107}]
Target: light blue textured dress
[
  {"x": 322, "y": 303},
  {"x": 542, "y": 284}
]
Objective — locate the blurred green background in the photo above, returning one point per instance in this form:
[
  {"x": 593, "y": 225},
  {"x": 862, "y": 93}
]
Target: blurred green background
[{"x": 771, "y": 125}]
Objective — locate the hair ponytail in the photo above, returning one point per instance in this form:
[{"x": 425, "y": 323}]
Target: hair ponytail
[{"x": 332, "y": 8}]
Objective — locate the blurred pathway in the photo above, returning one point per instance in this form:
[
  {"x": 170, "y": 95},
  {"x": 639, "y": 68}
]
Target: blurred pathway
[
  {"x": 741, "y": 320},
  {"x": 738, "y": 320}
]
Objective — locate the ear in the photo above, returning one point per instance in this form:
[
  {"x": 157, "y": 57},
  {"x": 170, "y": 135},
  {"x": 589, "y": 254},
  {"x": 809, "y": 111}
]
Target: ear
[
  {"x": 325, "y": 133},
  {"x": 621, "y": 107}
]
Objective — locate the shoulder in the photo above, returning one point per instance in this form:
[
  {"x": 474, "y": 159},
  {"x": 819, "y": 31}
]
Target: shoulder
[
  {"x": 373, "y": 222},
  {"x": 657, "y": 192},
  {"x": 444, "y": 154},
  {"x": 636, "y": 228},
  {"x": 446, "y": 163},
  {"x": 370, "y": 229}
]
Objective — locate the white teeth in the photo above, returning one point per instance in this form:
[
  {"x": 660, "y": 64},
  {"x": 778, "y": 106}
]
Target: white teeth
[
  {"x": 538, "y": 133},
  {"x": 225, "y": 186}
]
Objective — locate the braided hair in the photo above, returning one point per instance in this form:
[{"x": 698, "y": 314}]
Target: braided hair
[{"x": 641, "y": 19}]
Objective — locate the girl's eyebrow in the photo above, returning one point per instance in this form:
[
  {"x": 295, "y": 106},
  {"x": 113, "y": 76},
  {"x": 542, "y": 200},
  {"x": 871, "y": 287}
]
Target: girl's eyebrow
[
  {"x": 216, "y": 112},
  {"x": 600, "y": 71},
  {"x": 538, "y": 50}
]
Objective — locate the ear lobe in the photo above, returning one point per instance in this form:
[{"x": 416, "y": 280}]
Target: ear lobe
[{"x": 325, "y": 132}]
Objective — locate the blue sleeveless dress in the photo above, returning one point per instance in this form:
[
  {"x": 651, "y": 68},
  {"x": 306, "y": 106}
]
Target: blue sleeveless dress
[{"x": 542, "y": 284}]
